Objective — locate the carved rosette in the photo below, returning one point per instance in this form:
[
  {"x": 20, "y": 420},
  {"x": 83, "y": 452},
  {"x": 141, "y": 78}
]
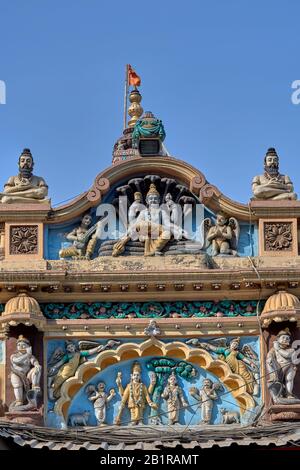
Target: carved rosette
[
  {"x": 278, "y": 236},
  {"x": 23, "y": 240}
]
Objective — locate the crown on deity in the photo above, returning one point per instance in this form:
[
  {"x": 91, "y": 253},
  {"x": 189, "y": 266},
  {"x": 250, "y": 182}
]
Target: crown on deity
[
  {"x": 136, "y": 368},
  {"x": 137, "y": 196},
  {"x": 284, "y": 332},
  {"x": 22, "y": 339},
  {"x": 152, "y": 190},
  {"x": 236, "y": 340}
]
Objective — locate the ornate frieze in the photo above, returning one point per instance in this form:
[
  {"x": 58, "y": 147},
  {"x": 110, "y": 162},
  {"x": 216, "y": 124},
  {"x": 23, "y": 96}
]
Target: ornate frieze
[{"x": 80, "y": 310}]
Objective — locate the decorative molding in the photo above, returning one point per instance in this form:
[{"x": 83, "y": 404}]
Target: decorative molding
[
  {"x": 184, "y": 173},
  {"x": 103, "y": 310}
]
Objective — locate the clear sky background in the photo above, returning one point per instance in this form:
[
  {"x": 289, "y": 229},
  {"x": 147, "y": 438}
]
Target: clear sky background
[{"x": 218, "y": 73}]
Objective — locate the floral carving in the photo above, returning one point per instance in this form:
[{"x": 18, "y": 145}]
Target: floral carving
[
  {"x": 278, "y": 236},
  {"x": 200, "y": 309},
  {"x": 24, "y": 240}
]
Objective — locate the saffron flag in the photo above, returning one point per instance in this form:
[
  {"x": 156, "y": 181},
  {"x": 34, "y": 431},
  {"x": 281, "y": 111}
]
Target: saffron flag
[{"x": 133, "y": 78}]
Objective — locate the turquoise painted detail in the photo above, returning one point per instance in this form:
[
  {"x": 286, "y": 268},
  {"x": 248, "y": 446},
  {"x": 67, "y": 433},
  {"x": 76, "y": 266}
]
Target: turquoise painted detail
[
  {"x": 163, "y": 367},
  {"x": 79, "y": 310},
  {"x": 148, "y": 128}
]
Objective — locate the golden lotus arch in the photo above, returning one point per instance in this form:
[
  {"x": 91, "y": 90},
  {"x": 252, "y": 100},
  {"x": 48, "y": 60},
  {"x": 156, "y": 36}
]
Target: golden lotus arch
[{"x": 154, "y": 347}]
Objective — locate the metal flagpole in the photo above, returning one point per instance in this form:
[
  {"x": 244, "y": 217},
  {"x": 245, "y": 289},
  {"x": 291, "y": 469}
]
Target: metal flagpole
[{"x": 125, "y": 97}]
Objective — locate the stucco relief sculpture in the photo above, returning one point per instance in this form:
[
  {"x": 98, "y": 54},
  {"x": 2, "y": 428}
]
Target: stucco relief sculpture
[
  {"x": 148, "y": 126},
  {"x": 25, "y": 377},
  {"x": 223, "y": 236},
  {"x": 160, "y": 371},
  {"x": 206, "y": 396},
  {"x": 83, "y": 240},
  {"x": 135, "y": 395},
  {"x": 64, "y": 363},
  {"x": 153, "y": 227},
  {"x": 100, "y": 399},
  {"x": 282, "y": 361},
  {"x": 242, "y": 361},
  {"x": 79, "y": 419},
  {"x": 272, "y": 185},
  {"x": 230, "y": 417},
  {"x": 25, "y": 187},
  {"x": 152, "y": 329},
  {"x": 174, "y": 397}
]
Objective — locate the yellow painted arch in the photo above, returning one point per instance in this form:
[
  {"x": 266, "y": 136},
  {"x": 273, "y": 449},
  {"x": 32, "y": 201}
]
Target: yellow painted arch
[{"x": 153, "y": 347}]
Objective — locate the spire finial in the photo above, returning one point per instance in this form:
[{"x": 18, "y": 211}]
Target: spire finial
[{"x": 135, "y": 109}]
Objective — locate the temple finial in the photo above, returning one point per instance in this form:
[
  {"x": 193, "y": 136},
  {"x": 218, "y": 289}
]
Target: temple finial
[{"x": 135, "y": 109}]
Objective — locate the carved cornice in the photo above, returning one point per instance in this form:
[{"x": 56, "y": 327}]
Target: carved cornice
[{"x": 167, "y": 167}]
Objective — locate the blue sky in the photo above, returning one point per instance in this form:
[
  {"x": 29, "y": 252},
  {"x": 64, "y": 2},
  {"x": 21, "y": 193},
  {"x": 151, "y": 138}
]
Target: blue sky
[{"x": 218, "y": 73}]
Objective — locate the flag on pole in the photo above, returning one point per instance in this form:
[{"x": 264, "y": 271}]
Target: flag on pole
[{"x": 133, "y": 78}]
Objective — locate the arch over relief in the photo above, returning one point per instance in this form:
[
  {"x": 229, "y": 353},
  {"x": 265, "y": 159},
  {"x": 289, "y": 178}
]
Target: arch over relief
[
  {"x": 152, "y": 346},
  {"x": 183, "y": 172}
]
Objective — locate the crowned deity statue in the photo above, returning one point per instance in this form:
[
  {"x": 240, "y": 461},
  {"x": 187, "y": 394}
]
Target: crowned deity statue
[
  {"x": 223, "y": 236},
  {"x": 173, "y": 395},
  {"x": 282, "y": 361},
  {"x": 25, "y": 375},
  {"x": 272, "y": 185},
  {"x": 25, "y": 187},
  {"x": 153, "y": 226},
  {"x": 135, "y": 395},
  {"x": 83, "y": 240}
]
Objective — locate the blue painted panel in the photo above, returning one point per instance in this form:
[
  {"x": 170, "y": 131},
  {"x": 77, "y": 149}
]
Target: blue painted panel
[{"x": 190, "y": 415}]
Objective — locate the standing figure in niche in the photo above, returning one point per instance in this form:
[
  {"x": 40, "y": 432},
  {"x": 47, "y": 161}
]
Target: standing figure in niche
[
  {"x": 282, "y": 362},
  {"x": 175, "y": 400},
  {"x": 135, "y": 396},
  {"x": 25, "y": 375}
]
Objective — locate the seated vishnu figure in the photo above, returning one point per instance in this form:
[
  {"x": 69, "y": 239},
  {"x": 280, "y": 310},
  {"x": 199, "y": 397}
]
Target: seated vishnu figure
[
  {"x": 25, "y": 187},
  {"x": 272, "y": 185},
  {"x": 153, "y": 226}
]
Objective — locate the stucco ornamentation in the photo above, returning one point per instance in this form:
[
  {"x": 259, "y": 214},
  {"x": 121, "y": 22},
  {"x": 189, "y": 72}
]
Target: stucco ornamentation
[
  {"x": 23, "y": 240},
  {"x": 278, "y": 236}
]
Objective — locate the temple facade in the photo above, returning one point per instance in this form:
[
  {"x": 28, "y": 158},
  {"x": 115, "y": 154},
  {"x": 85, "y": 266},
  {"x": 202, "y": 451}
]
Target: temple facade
[{"x": 151, "y": 302}]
